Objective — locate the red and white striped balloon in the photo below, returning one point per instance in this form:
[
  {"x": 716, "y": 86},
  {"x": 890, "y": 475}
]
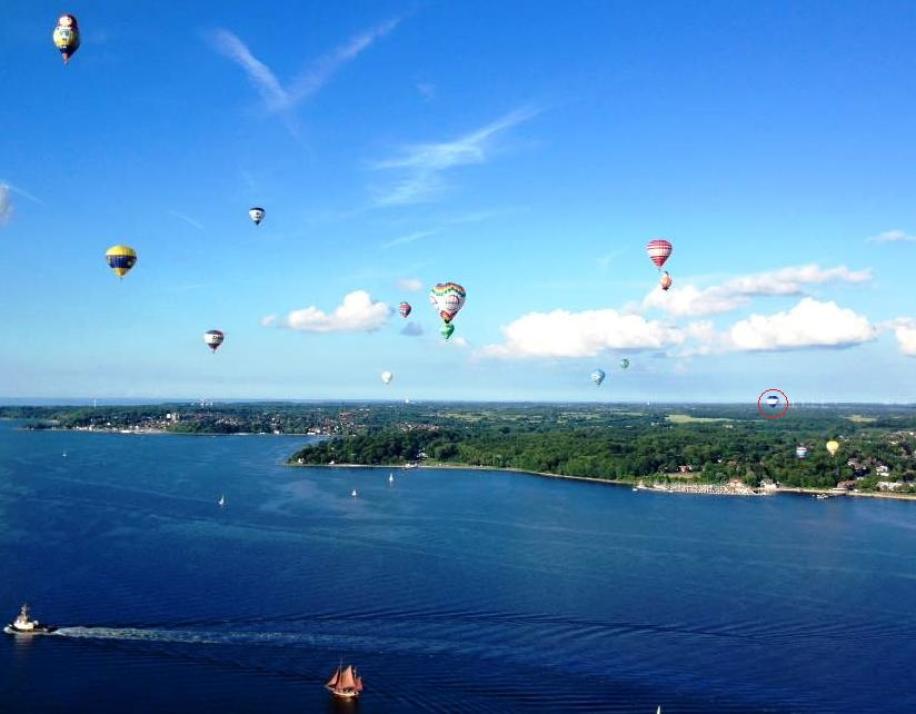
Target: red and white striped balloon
[{"x": 659, "y": 249}]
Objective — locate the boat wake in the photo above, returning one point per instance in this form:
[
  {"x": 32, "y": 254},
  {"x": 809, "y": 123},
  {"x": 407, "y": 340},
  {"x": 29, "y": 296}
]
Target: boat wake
[{"x": 137, "y": 634}]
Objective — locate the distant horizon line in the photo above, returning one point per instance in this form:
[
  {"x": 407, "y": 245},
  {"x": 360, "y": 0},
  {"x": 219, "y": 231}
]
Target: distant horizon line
[{"x": 150, "y": 401}]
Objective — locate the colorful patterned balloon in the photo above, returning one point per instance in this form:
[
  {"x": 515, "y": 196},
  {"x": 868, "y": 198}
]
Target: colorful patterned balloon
[
  {"x": 405, "y": 309},
  {"x": 448, "y": 299},
  {"x": 66, "y": 36}
]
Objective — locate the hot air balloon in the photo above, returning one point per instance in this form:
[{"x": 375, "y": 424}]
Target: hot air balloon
[
  {"x": 624, "y": 363},
  {"x": 801, "y": 451},
  {"x": 772, "y": 401},
  {"x": 665, "y": 281},
  {"x": 448, "y": 299},
  {"x": 256, "y": 214},
  {"x": 659, "y": 249},
  {"x": 66, "y": 36},
  {"x": 214, "y": 338},
  {"x": 832, "y": 447},
  {"x": 598, "y": 377},
  {"x": 121, "y": 258},
  {"x": 404, "y": 308},
  {"x": 387, "y": 376}
]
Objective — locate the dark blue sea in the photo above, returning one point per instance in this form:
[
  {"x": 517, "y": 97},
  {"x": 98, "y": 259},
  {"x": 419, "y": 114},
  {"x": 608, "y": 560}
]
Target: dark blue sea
[{"x": 453, "y": 591}]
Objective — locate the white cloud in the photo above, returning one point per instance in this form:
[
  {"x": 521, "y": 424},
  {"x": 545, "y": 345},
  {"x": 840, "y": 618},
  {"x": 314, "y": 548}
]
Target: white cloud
[
  {"x": 357, "y": 313},
  {"x": 893, "y": 236},
  {"x": 412, "y": 329},
  {"x": 905, "y": 332},
  {"x": 421, "y": 165},
  {"x": 279, "y": 98},
  {"x": 691, "y": 301},
  {"x": 6, "y": 204},
  {"x": 561, "y": 333},
  {"x": 411, "y": 285},
  {"x": 322, "y": 70},
  {"x": 187, "y": 219},
  {"x": 18, "y": 190},
  {"x": 811, "y": 323},
  {"x": 409, "y": 238},
  {"x": 261, "y": 76},
  {"x": 688, "y": 300}
]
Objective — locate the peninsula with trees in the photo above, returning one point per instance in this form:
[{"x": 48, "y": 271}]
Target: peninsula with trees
[{"x": 699, "y": 447}]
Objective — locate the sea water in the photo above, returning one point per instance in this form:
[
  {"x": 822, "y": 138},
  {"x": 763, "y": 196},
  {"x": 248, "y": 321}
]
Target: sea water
[{"x": 451, "y": 590}]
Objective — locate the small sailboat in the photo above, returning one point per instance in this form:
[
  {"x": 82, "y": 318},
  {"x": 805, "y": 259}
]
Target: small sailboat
[
  {"x": 25, "y": 625},
  {"x": 390, "y": 478},
  {"x": 821, "y": 496},
  {"x": 354, "y": 493},
  {"x": 345, "y": 682},
  {"x": 659, "y": 710},
  {"x": 222, "y": 501},
  {"x": 64, "y": 454}
]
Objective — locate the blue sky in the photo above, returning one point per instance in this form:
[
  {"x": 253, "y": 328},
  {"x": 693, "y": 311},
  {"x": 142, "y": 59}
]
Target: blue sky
[{"x": 526, "y": 150}]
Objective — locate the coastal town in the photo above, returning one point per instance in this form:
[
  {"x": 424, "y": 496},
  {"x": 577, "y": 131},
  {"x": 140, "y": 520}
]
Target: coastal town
[{"x": 698, "y": 449}]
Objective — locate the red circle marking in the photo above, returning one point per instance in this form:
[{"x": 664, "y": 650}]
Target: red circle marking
[{"x": 781, "y": 414}]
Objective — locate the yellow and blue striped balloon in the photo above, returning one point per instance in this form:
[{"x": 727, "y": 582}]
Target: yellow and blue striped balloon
[{"x": 121, "y": 258}]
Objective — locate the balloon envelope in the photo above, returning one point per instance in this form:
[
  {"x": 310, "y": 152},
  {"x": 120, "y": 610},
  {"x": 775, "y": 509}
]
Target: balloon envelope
[
  {"x": 121, "y": 258},
  {"x": 659, "y": 250},
  {"x": 404, "y": 308},
  {"x": 257, "y": 214},
  {"x": 446, "y": 330},
  {"x": 598, "y": 376},
  {"x": 387, "y": 377},
  {"x": 801, "y": 451},
  {"x": 66, "y": 36},
  {"x": 624, "y": 363},
  {"x": 448, "y": 299},
  {"x": 832, "y": 447},
  {"x": 213, "y": 339}
]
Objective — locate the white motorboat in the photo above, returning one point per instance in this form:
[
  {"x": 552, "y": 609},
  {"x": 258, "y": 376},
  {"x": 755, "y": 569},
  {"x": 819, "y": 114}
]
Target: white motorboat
[{"x": 25, "y": 625}]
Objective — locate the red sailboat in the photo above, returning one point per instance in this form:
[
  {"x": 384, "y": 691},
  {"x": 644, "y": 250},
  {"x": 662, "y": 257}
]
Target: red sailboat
[{"x": 345, "y": 682}]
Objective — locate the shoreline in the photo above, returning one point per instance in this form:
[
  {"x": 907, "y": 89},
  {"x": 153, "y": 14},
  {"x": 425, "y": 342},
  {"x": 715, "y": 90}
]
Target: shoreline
[
  {"x": 788, "y": 490},
  {"x": 165, "y": 432}
]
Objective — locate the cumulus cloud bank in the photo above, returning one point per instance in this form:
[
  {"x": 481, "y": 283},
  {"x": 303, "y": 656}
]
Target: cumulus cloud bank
[
  {"x": 561, "y": 333},
  {"x": 905, "y": 332},
  {"x": 690, "y": 301},
  {"x": 357, "y": 313},
  {"x": 811, "y": 323}
]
